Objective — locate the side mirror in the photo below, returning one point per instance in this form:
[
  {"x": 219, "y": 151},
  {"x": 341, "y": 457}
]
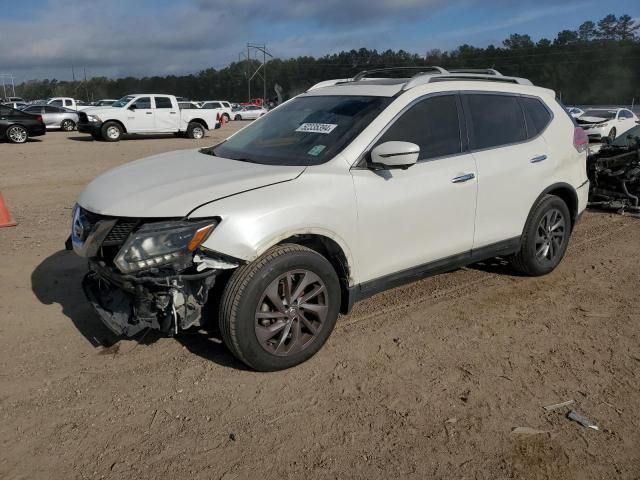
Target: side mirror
[
  {"x": 132, "y": 107},
  {"x": 390, "y": 155}
]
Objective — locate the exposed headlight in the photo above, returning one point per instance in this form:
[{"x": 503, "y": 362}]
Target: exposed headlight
[
  {"x": 156, "y": 244},
  {"x": 93, "y": 118}
]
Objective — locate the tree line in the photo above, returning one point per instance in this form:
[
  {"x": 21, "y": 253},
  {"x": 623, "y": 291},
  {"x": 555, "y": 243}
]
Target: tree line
[{"x": 599, "y": 63}]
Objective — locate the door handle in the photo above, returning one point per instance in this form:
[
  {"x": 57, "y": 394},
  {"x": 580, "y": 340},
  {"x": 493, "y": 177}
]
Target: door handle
[
  {"x": 538, "y": 159},
  {"x": 149, "y": 113},
  {"x": 172, "y": 113},
  {"x": 463, "y": 178}
]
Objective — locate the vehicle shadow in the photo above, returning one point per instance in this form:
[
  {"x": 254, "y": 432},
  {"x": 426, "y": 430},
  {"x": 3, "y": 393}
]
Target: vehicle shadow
[
  {"x": 58, "y": 279},
  {"x": 497, "y": 265},
  {"x": 29, "y": 140}
]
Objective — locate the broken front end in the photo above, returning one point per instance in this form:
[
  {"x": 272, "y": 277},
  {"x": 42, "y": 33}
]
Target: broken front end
[
  {"x": 145, "y": 273},
  {"x": 614, "y": 174}
]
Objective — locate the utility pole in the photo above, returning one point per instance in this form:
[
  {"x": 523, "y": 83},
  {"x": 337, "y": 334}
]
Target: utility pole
[{"x": 261, "y": 71}]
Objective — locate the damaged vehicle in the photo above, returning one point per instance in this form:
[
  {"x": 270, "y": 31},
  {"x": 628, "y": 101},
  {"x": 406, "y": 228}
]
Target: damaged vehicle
[
  {"x": 600, "y": 123},
  {"x": 614, "y": 174},
  {"x": 356, "y": 186}
]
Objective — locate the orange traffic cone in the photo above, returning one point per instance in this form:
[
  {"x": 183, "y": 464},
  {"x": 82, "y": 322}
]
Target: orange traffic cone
[{"x": 5, "y": 216}]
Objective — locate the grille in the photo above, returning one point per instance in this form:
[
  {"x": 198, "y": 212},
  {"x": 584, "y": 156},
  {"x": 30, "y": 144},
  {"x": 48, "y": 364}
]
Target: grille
[{"x": 120, "y": 232}]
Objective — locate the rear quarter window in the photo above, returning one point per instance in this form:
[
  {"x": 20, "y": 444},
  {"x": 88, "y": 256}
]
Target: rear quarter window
[
  {"x": 494, "y": 120},
  {"x": 536, "y": 114}
]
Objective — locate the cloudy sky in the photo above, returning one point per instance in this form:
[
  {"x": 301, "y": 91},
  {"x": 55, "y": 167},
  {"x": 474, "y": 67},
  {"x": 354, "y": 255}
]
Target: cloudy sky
[{"x": 45, "y": 38}]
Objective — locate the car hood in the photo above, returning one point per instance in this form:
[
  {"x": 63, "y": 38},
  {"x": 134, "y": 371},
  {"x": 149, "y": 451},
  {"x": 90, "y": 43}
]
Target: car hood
[
  {"x": 95, "y": 110},
  {"x": 173, "y": 184},
  {"x": 584, "y": 119}
]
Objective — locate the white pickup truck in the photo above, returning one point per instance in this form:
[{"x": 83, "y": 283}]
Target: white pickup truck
[
  {"x": 67, "y": 102},
  {"x": 146, "y": 114}
]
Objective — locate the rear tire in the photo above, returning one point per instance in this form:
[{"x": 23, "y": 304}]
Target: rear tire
[
  {"x": 270, "y": 335},
  {"x": 545, "y": 239},
  {"x": 17, "y": 134},
  {"x": 612, "y": 134},
  {"x": 195, "y": 130},
  {"x": 68, "y": 125},
  {"x": 238, "y": 117},
  {"x": 111, "y": 132}
]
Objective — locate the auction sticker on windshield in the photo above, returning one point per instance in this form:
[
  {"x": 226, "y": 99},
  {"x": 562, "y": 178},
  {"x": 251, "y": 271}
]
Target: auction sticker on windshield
[{"x": 325, "y": 128}]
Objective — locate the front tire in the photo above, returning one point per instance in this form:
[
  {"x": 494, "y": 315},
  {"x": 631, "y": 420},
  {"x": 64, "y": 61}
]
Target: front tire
[
  {"x": 111, "y": 132},
  {"x": 545, "y": 239},
  {"x": 195, "y": 130},
  {"x": 279, "y": 310},
  {"x": 17, "y": 134},
  {"x": 68, "y": 125}
]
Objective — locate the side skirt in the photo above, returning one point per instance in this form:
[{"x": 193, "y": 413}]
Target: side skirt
[{"x": 372, "y": 287}]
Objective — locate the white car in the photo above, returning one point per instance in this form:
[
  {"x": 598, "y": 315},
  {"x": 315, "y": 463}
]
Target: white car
[
  {"x": 575, "y": 112},
  {"x": 105, "y": 102},
  {"x": 349, "y": 189},
  {"x": 222, "y": 106},
  {"x": 599, "y": 123},
  {"x": 249, "y": 112},
  {"x": 145, "y": 113}
]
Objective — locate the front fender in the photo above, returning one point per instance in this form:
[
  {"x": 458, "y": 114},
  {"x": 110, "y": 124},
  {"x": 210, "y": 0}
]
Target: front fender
[{"x": 254, "y": 221}]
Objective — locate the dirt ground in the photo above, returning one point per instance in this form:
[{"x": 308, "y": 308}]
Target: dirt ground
[{"x": 423, "y": 382}]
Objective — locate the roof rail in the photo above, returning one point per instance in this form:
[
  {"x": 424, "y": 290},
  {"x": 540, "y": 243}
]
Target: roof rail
[
  {"x": 485, "y": 71},
  {"x": 359, "y": 76},
  {"x": 429, "y": 74},
  {"x": 424, "y": 79}
]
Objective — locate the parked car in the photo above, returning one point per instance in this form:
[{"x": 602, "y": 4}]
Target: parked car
[
  {"x": 607, "y": 122},
  {"x": 250, "y": 112},
  {"x": 16, "y": 105},
  {"x": 14, "y": 100},
  {"x": 575, "y": 112},
  {"x": 188, "y": 105},
  {"x": 222, "y": 106},
  {"x": 55, "y": 117},
  {"x": 106, "y": 102},
  {"x": 342, "y": 192},
  {"x": 144, "y": 114},
  {"x": 17, "y": 126},
  {"x": 67, "y": 102}
]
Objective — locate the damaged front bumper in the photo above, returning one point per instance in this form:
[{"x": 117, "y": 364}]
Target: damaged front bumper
[{"x": 128, "y": 304}]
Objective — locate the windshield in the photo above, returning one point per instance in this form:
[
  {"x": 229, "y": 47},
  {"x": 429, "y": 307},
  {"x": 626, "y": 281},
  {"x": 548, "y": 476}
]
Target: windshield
[
  {"x": 600, "y": 113},
  {"x": 123, "y": 101},
  {"x": 305, "y": 131}
]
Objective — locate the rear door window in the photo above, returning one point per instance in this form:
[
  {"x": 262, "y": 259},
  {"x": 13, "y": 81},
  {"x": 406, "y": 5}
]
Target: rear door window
[
  {"x": 163, "y": 102},
  {"x": 52, "y": 109},
  {"x": 56, "y": 102},
  {"x": 494, "y": 120},
  {"x": 536, "y": 114},
  {"x": 432, "y": 124}
]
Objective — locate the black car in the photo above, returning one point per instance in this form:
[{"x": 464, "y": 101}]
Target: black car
[{"x": 17, "y": 126}]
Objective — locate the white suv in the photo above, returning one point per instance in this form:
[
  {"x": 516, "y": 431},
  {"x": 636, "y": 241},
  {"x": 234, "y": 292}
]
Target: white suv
[{"x": 351, "y": 188}]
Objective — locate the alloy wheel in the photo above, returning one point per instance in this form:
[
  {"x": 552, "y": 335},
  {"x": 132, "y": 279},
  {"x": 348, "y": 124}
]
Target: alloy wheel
[
  {"x": 550, "y": 236},
  {"x": 17, "y": 134},
  {"x": 291, "y": 312}
]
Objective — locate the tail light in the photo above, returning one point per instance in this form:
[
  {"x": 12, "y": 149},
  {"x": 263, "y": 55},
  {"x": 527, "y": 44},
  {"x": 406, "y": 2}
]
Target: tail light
[
  {"x": 39, "y": 118},
  {"x": 580, "y": 139}
]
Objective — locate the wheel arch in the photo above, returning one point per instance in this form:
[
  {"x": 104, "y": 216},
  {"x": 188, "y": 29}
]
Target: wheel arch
[
  {"x": 568, "y": 195},
  {"x": 200, "y": 121},
  {"x": 330, "y": 249},
  {"x": 124, "y": 129}
]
